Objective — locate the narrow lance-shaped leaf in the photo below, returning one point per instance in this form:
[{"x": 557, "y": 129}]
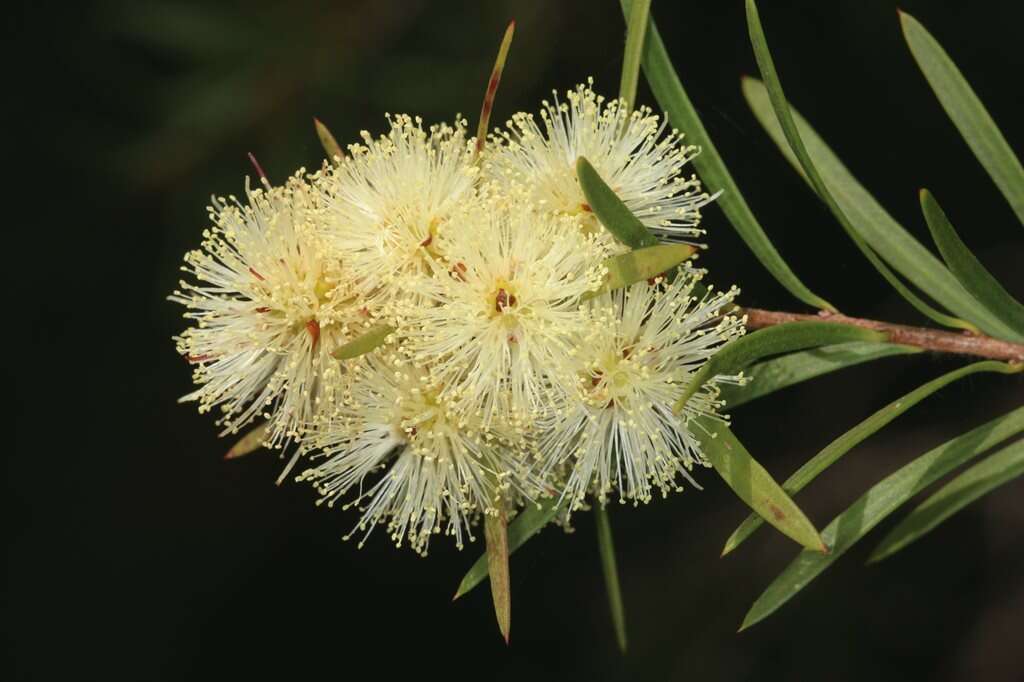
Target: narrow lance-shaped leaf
[
  {"x": 636, "y": 28},
  {"x": 776, "y": 374},
  {"x": 967, "y": 113},
  {"x": 496, "y": 536},
  {"x": 523, "y": 527},
  {"x": 250, "y": 442},
  {"x": 783, "y": 338},
  {"x": 492, "y": 87},
  {"x": 878, "y": 503},
  {"x": 754, "y": 485},
  {"x": 610, "y": 210},
  {"x": 844, "y": 443},
  {"x": 374, "y": 337},
  {"x": 330, "y": 145},
  {"x": 606, "y": 547},
  {"x": 979, "y": 480},
  {"x": 669, "y": 92},
  {"x": 641, "y": 264},
  {"x": 873, "y": 226},
  {"x": 968, "y": 269}
]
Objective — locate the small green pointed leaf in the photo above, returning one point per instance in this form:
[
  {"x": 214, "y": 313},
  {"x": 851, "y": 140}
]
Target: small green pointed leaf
[
  {"x": 669, "y": 92},
  {"x": 979, "y": 480},
  {"x": 779, "y": 373},
  {"x": 967, "y": 113},
  {"x": 374, "y": 337},
  {"x": 640, "y": 265},
  {"x": 877, "y": 504},
  {"x": 754, "y": 485},
  {"x": 492, "y": 87},
  {"x": 969, "y": 270},
  {"x": 523, "y": 527},
  {"x": 871, "y": 228},
  {"x": 250, "y": 442},
  {"x": 496, "y": 536},
  {"x": 606, "y": 546},
  {"x": 844, "y": 443},
  {"x": 330, "y": 145},
  {"x": 609, "y": 209},
  {"x": 783, "y": 338}
]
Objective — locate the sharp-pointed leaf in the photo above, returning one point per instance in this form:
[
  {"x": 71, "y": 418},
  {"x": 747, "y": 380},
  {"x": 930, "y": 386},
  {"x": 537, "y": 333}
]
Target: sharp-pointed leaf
[
  {"x": 969, "y": 270},
  {"x": 783, "y": 338},
  {"x": 606, "y": 547},
  {"x": 779, "y": 373},
  {"x": 496, "y": 536},
  {"x": 967, "y": 113},
  {"x": 330, "y": 144},
  {"x": 870, "y": 225},
  {"x": 669, "y": 92},
  {"x": 492, "y": 87},
  {"x": 878, "y": 503},
  {"x": 250, "y": 442},
  {"x": 527, "y": 524},
  {"x": 844, "y": 443},
  {"x": 981, "y": 479},
  {"x": 641, "y": 265},
  {"x": 614, "y": 215},
  {"x": 374, "y": 337},
  {"x": 754, "y": 485}
]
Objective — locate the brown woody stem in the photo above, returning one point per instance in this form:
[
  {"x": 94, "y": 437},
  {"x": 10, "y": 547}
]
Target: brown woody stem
[{"x": 939, "y": 341}]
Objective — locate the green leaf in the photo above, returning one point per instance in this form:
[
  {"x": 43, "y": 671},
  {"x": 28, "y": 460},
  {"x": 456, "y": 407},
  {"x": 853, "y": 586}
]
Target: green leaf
[
  {"x": 492, "y": 87},
  {"x": 250, "y": 442},
  {"x": 783, "y": 338},
  {"x": 610, "y": 210},
  {"x": 523, "y": 527},
  {"x": 669, "y": 92},
  {"x": 979, "y": 480},
  {"x": 606, "y": 546},
  {"x": 376, "y": 336},
  {"x": 967, "y": 113},
  {"x": 330, "y": 145},
  {"x": 496, "y": 536},
  {"x": 754, "y": 485},
  {"x": 844, "y": 443},
  {"x": 969, "y": 270},
  {"x": 773, "y": 375},
  {"x": 636, "y": 27},
  {"x": 640, "y": 265},
  {"x": 870, "y": 224},
  {"x": 877, "y": 503}
]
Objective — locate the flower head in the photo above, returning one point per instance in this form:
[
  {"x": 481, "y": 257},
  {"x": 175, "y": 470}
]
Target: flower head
[
  {"x": 620, "y": 432},
  {"x": 630, "y": 151}
]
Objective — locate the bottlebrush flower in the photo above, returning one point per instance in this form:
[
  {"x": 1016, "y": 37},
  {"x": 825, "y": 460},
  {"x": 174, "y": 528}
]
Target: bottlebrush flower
[
  {"x": 437, "y": 471},
  {"x": 619, "y": 433},
  {"x": 501, "y": 317},
  {"x": 630, "y": 151},
  {"x": 268, "y": 308}
]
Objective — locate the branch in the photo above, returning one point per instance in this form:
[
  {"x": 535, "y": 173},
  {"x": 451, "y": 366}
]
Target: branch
[{"x": 961, "y": 343}]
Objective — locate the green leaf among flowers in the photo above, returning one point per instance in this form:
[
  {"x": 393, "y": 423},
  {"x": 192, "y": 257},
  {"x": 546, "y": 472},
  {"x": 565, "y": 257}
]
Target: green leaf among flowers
[
  {"x": 374, "y": 337},
  {"x": 609, "y": 209},
  {"x": 496, "y": 537},
  {"x": 642, "y": 264},
  {"x": 606, "y": 546}
]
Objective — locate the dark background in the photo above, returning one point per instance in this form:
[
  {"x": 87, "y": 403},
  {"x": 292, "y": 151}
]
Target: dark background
[{"x": 136, "y": 553}]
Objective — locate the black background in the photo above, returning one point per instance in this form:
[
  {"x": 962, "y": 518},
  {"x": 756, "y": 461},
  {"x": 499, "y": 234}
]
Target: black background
[{"x": 135, "y": 552}]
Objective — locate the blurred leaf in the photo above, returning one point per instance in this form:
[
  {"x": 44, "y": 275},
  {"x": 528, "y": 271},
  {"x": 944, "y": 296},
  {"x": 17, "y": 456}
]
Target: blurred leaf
[
  {"x": 250, "y": 442},
  {"x": 330, "y": 144},
  {"x": 523, "y": 527},
  {"x": 773, "y": 375},
  {"x": 636, "y": 28},
  {"x": 967, "y": 113},
  {"x": 492, "y": 87},
  {"x": 979, "y": 480},
  {"x": 496, "y": 536},
  {"x": 641, "y": 264},
  {"x": 877, "y": 503},
  {"x": 606, "y": 546},
  {"x": 844, "y": 443},
  {"x": 969, "y": 270},
  {"x": 669, "y": 92},
  {"x": 783, "y": 338},
  {"x": 870, "y": 226},
  {"x": 376, "y": 336},
  {"x": 610, "y": 210},
  {"x": 754, "y": 485}
]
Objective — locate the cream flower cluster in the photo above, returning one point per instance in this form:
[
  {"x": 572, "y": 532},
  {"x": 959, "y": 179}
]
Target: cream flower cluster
[{"x": 505, "y": 376}]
